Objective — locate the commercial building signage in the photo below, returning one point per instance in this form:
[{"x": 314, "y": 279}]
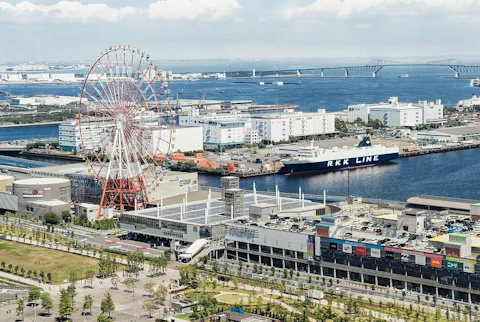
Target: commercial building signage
[
  {"x": 375, "y": 253},
  {"x": 310, "y": 246},
  {"x": 469, "y": 268},
  {"x": 318, "y": 248},
  {"x": 362, "y": 251},
  {"x": 33, "y": 194},
  {"x": 333, "y": 246},
  {"x": 347, "y": 248},
  {"x": 413, "y": 252},
  {"x": 242, "y": 232},
  {"x": 468, "y": 264},
  {"x": 461, "y": 260},
  {"x": 420, "y": 260},
  {"x": 390, "y": 255},
  {"x": 349, "y": 242},
  {"x": 405, "y": 258},
  {"x": 436, "y": 262},
  {"x": 452, "y": 266}
]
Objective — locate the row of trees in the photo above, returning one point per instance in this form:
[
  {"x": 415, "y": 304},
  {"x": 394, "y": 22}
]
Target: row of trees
[
  {"x": 66, "y": 304},
  {"x": 107, "y": 265},
  {"x": 158, "y": 265},
  {"x": 21, "y": 271}
]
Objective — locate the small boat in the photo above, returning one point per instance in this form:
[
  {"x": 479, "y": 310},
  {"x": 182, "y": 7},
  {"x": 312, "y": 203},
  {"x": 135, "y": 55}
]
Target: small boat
[
  {"x": 475, "y": 82},
  {"x": 239, "y": 91},
  {"x": 403, "y": 76}
]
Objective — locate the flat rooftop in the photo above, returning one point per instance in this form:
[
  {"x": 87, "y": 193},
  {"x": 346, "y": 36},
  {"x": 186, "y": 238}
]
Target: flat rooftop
[
  {"x": 195, "y": 212},
  {"x": 461, "y": 130},
  {"x": 442, "y": 202}
]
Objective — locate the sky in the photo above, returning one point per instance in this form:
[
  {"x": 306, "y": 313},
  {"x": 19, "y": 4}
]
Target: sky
[{"x": 52, "y": 30}]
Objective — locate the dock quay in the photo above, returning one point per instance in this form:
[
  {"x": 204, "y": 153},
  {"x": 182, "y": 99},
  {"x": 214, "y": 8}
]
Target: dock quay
[
  {"x": 439, "y": 149},
  {"x": 253, "y": 174}
]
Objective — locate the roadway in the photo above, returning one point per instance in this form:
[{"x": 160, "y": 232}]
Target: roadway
[{"x": 85, "y": 236}]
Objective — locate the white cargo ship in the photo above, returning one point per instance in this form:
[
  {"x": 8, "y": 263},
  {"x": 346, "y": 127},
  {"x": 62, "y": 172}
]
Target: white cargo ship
[{"x": 315, "y": 159}]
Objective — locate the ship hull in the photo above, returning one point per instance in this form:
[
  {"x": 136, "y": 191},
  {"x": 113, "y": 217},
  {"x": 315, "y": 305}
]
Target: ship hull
[{"x": 296, "y": 167}]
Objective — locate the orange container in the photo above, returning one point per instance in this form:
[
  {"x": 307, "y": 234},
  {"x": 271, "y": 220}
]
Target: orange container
[{"x": 198, "y": 155}]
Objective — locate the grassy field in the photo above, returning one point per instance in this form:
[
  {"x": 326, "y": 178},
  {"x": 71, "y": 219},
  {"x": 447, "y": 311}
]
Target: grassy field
[
  {"x": 233, "y": 298},
  {"x": 58, "y": 263}
]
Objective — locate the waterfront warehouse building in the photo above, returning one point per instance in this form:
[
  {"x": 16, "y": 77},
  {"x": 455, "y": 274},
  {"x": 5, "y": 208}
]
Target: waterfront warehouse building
[
  {"x": 396, "y": 114},
  {"x": 183, "y": 138},
  {"x": 69, "y": 138},
  {"x": 219, "y": 129},
  {"x": 280, "y": 127},
  {"x": 44, "y": 100}
]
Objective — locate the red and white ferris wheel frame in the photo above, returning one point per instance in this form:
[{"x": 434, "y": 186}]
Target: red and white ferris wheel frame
[{"x": 116, "y": 133}]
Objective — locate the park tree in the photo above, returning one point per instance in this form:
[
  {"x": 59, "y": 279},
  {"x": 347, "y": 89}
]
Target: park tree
[
  {"x": 149, "y": 306},
  {"x": 20, "y": 307},
  {"x": 72, "y": 292},
  {"x": 90, "y": 276},
  {"x": 47, "y": 302},
  {"x": 88, "y": 303},
  {"x": 149, "y": 287},
  {"x": 130, "y": 283},
  {"x": 103, "y": 318},
  {"x": 107, "y": 305},
  {"x": 160, "y": 294},
  {"x": 66, "y": 216},
  {"x": 65, "y": 304},
  {"x": 114, "y": 280},
  {"x": 51, "y": 218},
  {"x": 49, "y": 277},
  {"x": 34, "y": 294}
]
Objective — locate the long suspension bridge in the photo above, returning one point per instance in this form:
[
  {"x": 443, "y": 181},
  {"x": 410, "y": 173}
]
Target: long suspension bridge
[{"x": 373, "y": 67}]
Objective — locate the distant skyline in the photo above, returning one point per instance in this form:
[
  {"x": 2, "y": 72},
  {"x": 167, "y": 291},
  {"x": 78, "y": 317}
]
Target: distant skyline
[{"x": 52, "y": 30}]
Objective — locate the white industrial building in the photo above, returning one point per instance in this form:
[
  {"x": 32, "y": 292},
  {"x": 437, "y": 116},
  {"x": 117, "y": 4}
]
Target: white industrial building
[
  {"x": 467, "y": 103},
  {"x": 452, "y": 134},
  {"x": 11, "y": 77},
  {"x": 224, "y": 133},
  {"x": 219, "y": 128},
  {"x": 251, "y": 136},
  {"x": 237, "y": 128},
  {"x": 45, "y": 100},
  {"x": 193, "y": 118},
  {"x": 183, "y": 138},
  {"x": 280, "y": 127},
  {"x": 396, "y": 114},
  {"x": 401, "y": 115},
  {"x": 69, "y": 138}
]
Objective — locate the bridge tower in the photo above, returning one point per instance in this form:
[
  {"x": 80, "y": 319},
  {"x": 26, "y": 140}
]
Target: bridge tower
[
  {"x": 321, "y": 72},
  {"x": 346, "y": 72}
]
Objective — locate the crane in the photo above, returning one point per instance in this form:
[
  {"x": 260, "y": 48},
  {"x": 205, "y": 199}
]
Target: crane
[{"x": 422, "y": 143}]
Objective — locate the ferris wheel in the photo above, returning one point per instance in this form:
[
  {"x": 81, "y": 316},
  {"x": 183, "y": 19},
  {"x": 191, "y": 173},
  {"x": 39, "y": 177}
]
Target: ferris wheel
[{"x": 125, "y": 125}]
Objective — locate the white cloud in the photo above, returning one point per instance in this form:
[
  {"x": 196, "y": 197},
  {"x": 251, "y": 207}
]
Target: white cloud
[
  {"x": 192, "y": 9},
  {"x": 356, "y": 8},
  {"x": 26, "y": 11}
]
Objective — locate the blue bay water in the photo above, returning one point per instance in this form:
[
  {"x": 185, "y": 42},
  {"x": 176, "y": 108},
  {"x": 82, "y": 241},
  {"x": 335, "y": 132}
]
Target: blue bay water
[{"x": 448, "y": 174}]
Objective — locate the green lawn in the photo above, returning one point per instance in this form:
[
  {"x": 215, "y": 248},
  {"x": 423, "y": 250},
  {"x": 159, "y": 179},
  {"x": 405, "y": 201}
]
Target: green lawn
[
  {"x": 58, "y": 263},
  {"x": 233, "y": 298}
]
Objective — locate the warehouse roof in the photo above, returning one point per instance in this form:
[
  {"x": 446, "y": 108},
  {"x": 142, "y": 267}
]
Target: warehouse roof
[{"x": 442, "y": 202}]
